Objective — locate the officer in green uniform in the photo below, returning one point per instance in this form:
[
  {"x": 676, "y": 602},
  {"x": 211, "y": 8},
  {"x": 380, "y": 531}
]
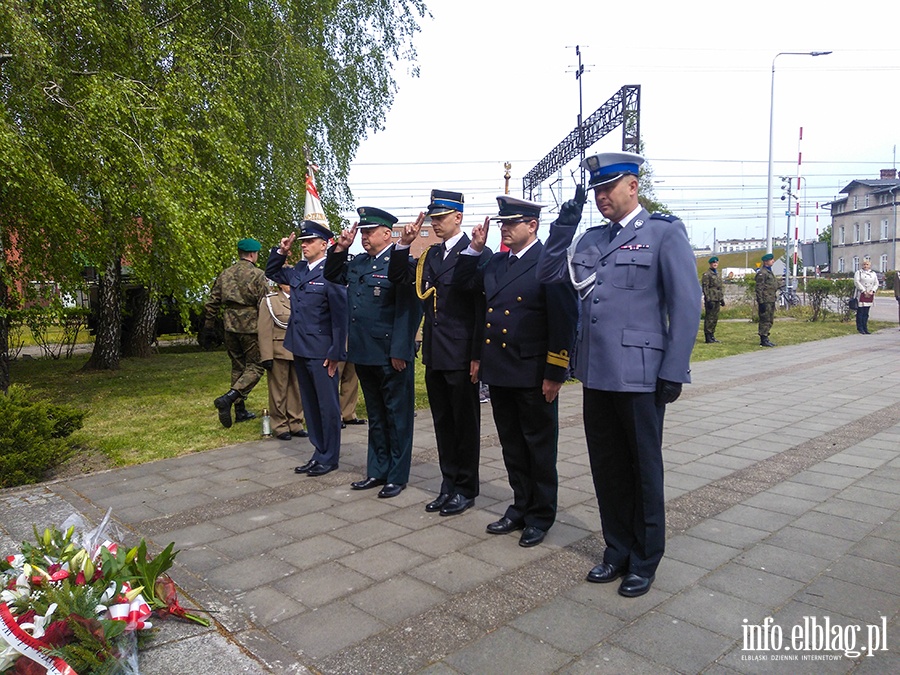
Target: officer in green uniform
[
  {"x": 766, "y": 288},
  {"x": 714, "y": 297},
  {"x": 236, "y": 293}
]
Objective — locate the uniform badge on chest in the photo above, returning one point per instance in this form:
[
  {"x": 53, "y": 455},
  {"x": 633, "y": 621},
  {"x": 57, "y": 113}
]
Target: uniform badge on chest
[{"x": 376, "y": 291}]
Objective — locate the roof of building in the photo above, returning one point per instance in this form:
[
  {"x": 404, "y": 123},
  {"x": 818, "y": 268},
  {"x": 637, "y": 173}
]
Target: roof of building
[{"x": 884, "y": 183}]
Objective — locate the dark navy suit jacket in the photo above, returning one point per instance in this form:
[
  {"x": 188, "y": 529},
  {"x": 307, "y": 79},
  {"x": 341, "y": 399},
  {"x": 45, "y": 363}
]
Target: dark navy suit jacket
[
  {"x": 449, "y": 340},
  {"x": 317, "y": 328},
  {"x": 529, "y": 327}
]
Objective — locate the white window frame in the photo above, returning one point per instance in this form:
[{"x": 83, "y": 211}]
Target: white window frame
[{"x": 883, "y": 263}]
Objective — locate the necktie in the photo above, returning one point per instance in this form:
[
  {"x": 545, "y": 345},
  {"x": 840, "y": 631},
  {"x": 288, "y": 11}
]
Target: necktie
[
  {"x": 511, "y": 260},
  {"x": 443, "y": 250},
  {"x": 614, "y": 230}
]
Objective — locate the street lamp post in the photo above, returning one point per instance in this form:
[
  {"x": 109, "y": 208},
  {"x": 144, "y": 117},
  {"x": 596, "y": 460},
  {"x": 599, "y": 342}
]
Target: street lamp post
[{"x": 771, "y": 141}]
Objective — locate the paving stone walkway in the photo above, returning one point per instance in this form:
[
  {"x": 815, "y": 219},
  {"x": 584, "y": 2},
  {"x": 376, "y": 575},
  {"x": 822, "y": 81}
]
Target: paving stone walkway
[{"x": 783, "y": 495}]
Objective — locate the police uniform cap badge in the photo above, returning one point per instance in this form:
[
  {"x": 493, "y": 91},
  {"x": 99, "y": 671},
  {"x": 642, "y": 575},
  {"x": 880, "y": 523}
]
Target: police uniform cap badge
[{"x": 608, "y": 167}]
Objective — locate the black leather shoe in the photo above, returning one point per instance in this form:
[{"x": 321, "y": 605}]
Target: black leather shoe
[
  {"x": 354, "y": 421},
  {"x": 634, "y": 585},
  {"x": 436, "y": 505},
  {"x": 391, "y": 490},
  {"x": 503, "y": 526},
  {"x": 367, "y": 484},
  {"x": 303, "y": 433},
  {"x": 532, "y": 536},
  {"x": 306, "y": 467},
  {"x": 321, "y": 469},
  {"x": 456, "y": 505},
  {"x": 286, "y": 436},
  {"x": 604, "y": 573}
]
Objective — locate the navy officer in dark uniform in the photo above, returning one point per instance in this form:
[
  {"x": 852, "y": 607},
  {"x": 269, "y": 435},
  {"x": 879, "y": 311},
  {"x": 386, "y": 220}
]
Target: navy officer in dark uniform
[
  {"x": 317, "y": 336},
  {"x": 449, "y": 348},
  {"x": 640, "y": 306},
  {"x": 529, "y": 330},
  {"x": 384, "y": 318}
]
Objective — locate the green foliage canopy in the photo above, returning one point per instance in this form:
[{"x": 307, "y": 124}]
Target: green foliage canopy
[{"x": 161, "y": 131}]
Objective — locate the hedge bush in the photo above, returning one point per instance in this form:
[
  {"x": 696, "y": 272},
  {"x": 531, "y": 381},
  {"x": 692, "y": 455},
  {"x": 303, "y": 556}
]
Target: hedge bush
[{"x": 33, "y": 436}]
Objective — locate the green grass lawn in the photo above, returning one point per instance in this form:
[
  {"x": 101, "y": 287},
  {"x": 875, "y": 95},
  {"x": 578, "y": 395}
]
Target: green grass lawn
[{"x": 162, "y": 406}]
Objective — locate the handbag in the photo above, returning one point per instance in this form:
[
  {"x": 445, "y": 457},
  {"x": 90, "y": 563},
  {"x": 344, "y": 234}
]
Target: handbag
[
  {"x": 867, "y": 297},
  {"x": 853, "y": 303}
]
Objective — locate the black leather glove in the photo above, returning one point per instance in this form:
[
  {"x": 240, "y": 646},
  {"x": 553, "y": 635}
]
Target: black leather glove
[
  {"x": 722, "y": 302},
  {"x": 570, "y": 212},
  {"x": 667, "y": 392},
  {"x": 267, "y": 364},
  {"x": 207, "y": 337}
]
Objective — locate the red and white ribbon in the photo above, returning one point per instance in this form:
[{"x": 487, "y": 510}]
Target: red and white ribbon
[{"x": 28, "y": 646}]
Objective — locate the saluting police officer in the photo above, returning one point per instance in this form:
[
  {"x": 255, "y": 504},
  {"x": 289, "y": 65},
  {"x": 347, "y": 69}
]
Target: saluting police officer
[
  {"x": 317, "y": 337},
  {"x": 640, "y": 307},
  {"x": 529, "y": 330},
  {"x": 714, "y": 297},
  {"x": 450, "y": 348},
  {"x": 384, "y": 318},
  {"x": 766, "y": 294}
]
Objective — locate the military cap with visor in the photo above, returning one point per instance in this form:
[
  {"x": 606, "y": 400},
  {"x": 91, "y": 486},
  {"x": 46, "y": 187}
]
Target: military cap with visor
[
  {"x": 310, "y": 229},
  {"x": 608, "y": 167},
  {"x": 444, "y": 202},
  {"x": 369, "y": 216},
  {"x": 514, "y": 209}
]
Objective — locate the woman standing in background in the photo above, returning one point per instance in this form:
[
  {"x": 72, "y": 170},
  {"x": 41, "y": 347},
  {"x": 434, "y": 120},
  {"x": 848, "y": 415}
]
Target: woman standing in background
[{"x": 866, "y": 284}]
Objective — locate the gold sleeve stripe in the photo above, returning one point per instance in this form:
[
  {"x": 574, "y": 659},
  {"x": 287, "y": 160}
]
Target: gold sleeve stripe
[{"x": 561, "y": 359}]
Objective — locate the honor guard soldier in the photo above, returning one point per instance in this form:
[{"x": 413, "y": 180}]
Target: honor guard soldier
[
  {"x": 714, "y": 297},
  {"x": 285, "y": 407},
  {"x": 640, "y": 307},
  {"x": 383, "y": 320},
  {"x": 766, "y": 293},
  {"x": 529, "y": 331},
  {"x": 317, "y": 337},
  {"x": 450, "y": 348},
  {"x": 236, "y": 292}
]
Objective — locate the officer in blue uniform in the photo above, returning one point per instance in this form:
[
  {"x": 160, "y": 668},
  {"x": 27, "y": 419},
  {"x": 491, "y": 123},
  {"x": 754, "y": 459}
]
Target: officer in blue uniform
[
  {"x": 640, "y": 306},
  {"x": 384, "y": 318},
  {"x": 450, "y": 348},
  {"x": 529, "y": 330},
  {"x": 317, "y": 336}
]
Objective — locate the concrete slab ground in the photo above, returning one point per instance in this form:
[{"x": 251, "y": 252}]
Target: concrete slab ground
[{"x": 783, "y": 499}]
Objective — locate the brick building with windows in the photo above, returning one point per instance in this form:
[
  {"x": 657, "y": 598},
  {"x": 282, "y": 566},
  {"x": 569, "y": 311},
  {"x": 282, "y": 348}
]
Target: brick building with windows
[{"x": 864, "y": 224}]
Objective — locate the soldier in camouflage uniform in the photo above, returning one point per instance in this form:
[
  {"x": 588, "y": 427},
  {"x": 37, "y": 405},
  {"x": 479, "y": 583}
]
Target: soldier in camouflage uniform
[
  {"x": 714, "y": 297},
  {"x": 766, "y": 288},
  {"x": 238, "y": 291}
]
